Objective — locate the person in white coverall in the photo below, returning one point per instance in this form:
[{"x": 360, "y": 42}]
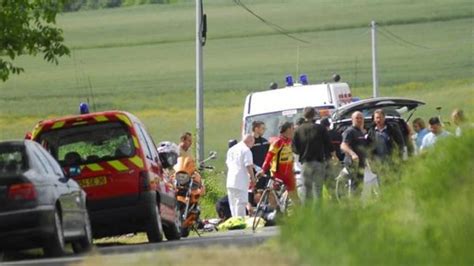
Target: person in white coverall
[{"x": 239, "y": 175}]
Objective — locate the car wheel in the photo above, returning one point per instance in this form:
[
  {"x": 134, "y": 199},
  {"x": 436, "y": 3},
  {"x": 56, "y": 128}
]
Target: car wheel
[
  {"x": 154, "y": 228},
  {"x": 84, "y": 244},
  {"x": 184, "y": 232},
  {"x": 173, "y": 230},
  {"x": 56, "y": 244}
]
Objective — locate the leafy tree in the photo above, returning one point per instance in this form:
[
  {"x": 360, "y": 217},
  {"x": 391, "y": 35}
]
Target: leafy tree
[{"x": 28, "y": 27}]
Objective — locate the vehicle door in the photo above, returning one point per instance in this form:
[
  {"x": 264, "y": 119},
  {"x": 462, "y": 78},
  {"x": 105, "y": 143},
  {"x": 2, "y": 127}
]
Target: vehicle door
[
  {"x": 168, "y": 200},
  {"x": 60, "y": 187}
]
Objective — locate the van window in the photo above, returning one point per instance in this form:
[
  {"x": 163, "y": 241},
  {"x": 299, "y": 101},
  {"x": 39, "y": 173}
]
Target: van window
[
  {"x": 89, "y": 143},
  {"x": 273, "y": 120}
]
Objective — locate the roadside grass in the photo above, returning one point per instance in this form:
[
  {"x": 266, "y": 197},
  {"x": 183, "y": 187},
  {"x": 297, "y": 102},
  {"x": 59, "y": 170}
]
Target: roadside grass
[
  {"x": 266, "y": 254},
  {"x": 425, "y": 219}
]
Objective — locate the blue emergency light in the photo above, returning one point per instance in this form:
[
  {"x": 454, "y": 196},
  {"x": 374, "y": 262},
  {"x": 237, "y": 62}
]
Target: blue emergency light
[
  {"x": 304, "y": 79},
  {"x": 84, "y": 108},
  {"x": 289, "y": 81}
]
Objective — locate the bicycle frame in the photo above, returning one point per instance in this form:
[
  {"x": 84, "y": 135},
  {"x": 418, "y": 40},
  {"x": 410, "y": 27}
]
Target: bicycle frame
[{"x": 280, "y": 196}]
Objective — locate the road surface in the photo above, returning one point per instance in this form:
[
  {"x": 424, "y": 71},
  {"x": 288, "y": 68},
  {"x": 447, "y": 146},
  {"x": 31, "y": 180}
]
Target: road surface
[{"x": 222, "y": 239}]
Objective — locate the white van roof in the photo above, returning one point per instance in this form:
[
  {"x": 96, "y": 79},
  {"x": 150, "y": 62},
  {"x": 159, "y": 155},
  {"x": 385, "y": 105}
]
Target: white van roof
[{"x": 289, "y": 98}]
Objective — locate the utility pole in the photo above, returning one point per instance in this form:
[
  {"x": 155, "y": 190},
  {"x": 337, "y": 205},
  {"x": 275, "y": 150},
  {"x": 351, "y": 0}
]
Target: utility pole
[
  {"x": 375, "y": 81},
  {"x": 199, "y": 84}
]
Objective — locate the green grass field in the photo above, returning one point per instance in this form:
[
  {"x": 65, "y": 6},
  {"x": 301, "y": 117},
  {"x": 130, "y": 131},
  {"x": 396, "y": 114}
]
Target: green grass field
[{"x": 141, "y": 59}]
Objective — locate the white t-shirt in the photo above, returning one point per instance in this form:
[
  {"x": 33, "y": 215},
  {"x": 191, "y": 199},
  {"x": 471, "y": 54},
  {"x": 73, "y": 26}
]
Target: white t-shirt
[
  {"x": 430, "y": 139},
  {"x": 238, "y": 158}
]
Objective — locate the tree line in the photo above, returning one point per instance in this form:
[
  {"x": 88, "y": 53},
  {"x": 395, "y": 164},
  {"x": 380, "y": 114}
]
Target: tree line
[{"x": 76, "y": 5}]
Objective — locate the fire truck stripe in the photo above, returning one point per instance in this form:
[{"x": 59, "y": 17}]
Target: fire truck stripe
[
  {"x": 36, "y": 131},
  {"x": 95, "y": 167},
  {"x": 58, "y": 124},
  {"x": 117, "y": 165},
  {"x": 137, "y": 161},
  {"x": 135, "y": 141},
  {"x": 79, "y": 123},
  {"x": 124, "y": 119},
  {"x": 101, "y": 118}
]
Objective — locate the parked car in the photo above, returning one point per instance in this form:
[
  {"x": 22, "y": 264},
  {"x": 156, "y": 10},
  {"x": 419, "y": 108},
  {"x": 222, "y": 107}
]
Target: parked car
[
  {"x": 40, "y": 206},
  {"x": 395, "y": 110},
  {"x": 120, "y": 171}
]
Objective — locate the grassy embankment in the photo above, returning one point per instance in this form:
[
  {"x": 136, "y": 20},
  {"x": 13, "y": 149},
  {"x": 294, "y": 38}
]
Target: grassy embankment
[
  {"x": 425, "y": 219},
  {"x": 141, "y": 59}
]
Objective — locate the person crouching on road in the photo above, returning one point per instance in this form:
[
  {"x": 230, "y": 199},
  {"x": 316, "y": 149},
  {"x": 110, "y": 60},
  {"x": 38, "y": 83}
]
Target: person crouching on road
[
  {"x": 279, "y": 160},
  {"x": 239, "y": 175}
]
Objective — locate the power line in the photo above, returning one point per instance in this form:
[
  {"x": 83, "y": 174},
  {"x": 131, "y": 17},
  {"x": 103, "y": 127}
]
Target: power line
[
  {"x": 268, "y": 23},
  {"x": 402, "y": 40},
  {"x": 393, "y": 39}
]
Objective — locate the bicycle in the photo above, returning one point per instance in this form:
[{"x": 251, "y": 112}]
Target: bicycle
[
  {"x": 277, "y": 189},
  {"x": 346, "y": 183}
]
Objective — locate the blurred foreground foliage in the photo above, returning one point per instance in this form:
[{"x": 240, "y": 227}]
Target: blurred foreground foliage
[{"x": 426, "y": 218}]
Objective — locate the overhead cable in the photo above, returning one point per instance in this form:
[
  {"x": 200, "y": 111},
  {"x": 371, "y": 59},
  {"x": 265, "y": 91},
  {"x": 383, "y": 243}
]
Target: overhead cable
[{"x": 268, "y": 23}]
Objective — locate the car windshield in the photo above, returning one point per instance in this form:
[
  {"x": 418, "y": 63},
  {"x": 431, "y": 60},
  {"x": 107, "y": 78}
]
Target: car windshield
[
  {"x": 12, "y": 158},
  {"x": 89, "y": 143},
  {"x": 273, "y": 120}
]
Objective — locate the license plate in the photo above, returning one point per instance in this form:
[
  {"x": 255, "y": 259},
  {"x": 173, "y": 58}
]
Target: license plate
[{"x": 93, "y": 182}]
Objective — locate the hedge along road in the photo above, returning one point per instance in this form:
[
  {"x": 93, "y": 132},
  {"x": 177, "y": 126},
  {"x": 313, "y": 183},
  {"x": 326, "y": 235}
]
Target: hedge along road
[{"x": 239, "y": 238}]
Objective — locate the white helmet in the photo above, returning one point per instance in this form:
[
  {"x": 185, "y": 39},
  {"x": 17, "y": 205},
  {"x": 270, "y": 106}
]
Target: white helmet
[{"x": 168, "y": 153}]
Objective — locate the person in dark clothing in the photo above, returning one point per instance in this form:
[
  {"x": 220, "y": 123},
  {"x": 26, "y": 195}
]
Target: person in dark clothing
[
  {"x": 385, "y": 139},
  {"x": 354, "y": 145},
  {"x": 335, "y": 138},
  {"x": 259, "y": 151},
  {"x": 260, "y": 148},
  {"x": 312, "y": 144}
]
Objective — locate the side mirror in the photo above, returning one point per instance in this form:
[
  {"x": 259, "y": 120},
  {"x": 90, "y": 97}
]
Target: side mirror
[{"x": 74, "y": 171}]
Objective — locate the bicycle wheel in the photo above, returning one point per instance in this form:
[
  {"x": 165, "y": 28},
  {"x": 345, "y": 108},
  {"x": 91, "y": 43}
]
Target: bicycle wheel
[{"x": 259, "y": 211}]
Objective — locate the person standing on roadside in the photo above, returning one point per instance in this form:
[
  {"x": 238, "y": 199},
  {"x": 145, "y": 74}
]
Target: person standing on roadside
[
  {"x": 437, "y": 132},
  {"x": 354, "y": 146},
  {"x": 421, "y": 131},
  {"x": 314, "y": 148},
  {"x": 186, "y": 140},
  {"x": 459, "y": 120},
  {"x": 259, "y": 150},
  {"x": 240, "y": 175},
  {"x": 385, "y": 139},
  {"x": 279, "y": 160}
]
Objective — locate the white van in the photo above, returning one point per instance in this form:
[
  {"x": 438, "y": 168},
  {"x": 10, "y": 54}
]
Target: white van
[{"x": 286, "y": 104}]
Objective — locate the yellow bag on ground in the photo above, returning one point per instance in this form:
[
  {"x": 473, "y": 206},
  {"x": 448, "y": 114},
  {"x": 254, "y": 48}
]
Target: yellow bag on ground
[
  {"x": 249, "y": 222},
  {"x": 232, "y": 224}
]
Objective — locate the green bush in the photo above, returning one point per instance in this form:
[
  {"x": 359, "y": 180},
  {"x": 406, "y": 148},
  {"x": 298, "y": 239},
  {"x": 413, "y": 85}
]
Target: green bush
[
  {"x": 424, "y": 219},
  {"x": 214, "y": 191}
]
